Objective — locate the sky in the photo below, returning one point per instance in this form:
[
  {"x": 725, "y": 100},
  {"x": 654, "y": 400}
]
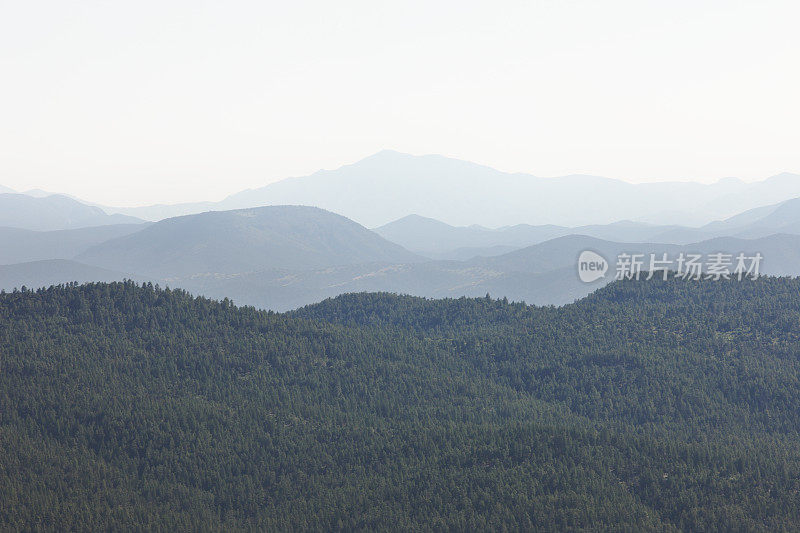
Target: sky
[{"x": 130, "y": 103}]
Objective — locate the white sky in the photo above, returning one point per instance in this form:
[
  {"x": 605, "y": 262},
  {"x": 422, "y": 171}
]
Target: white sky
[{"x": 161, "y": 101}]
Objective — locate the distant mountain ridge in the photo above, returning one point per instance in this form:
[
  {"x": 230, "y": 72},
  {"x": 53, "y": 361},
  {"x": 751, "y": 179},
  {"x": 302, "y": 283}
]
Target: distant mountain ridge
[
  {"x": 390, "y": 185},
  {"x": 55, "y": 212},
  {"x": 285, "y": 256},
  {"x": 780, "y": 218},
  {"x": 544, "y": 274},
  {"x": 438, "y": 240},
  {"x": 282, "y": 257},
  {"x": 22, "y": 246},
  {"x": 238, "y": 241},
  {"x": 541, "y": 274}
]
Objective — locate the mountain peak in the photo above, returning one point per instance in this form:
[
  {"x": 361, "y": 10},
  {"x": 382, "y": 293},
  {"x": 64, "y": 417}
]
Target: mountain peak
[
  {"x": 415, "y": 220},
  {"x": 246, "y": 240}
]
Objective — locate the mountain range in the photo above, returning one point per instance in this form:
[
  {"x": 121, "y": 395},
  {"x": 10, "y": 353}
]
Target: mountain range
[
  {"x": 390, "y": 185},
  {"x": 54, "y": 212},
  {"x": 543, "y": 274},
  {"x": 283, "y": 257},
  {"x": 436, "y": 239}
]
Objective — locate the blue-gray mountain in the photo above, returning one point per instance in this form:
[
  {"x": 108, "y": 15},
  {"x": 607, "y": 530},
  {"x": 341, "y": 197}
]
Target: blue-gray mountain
[
  {"x": 247, "y": 240},
  {"x": 284, "y": 257},
  {"x": 390, "y": 185},
  {"x": 436, "y": 239},
  {"x": 543, "y": 274},
  {"x": 22, "y": 245},
  {"x": 55, "y": 212}
]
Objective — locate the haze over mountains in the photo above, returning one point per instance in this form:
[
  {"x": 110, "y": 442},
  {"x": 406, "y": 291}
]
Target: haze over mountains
[
  {"x": 390, "y": 185},
  {"x": 22, "y": 245},
  {"x": 436, "y": 239},
  {"x": 54, "y": 212},
  {"x": 234, "y": 242},
  {"x": 439, "y": 240},
  {"x": 284, "y": 256}
]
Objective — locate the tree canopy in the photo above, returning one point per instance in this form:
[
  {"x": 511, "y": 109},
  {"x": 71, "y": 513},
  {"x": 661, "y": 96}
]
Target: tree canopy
[{"x": 659, "y": 405}]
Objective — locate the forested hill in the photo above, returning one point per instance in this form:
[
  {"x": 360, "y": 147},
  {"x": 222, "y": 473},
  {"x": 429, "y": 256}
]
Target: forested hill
[
  {"x": 767, "y": 298},
  {"x": 649, "y": 405}
]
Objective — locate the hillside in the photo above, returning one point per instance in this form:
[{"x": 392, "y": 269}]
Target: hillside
[
  {"x": 780, "y": 218},
  {"x": 55, "y": 212},
  {"x": 282, "y": 258},
  {"x": 241, "y": 241},
  {"x": 786, "y": 214},
  {"x": 648, "y": 406},
  {"x": 544, "y": 274},
  {"x": 21, "y": 246},
  {"x": 36, "y": 274},
  {"x": 781, "y": 252}
]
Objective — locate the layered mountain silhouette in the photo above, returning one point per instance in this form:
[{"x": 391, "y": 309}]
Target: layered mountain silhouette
[
  {"x": 55, "y": 212},
  {"x": 543, "y": 274},
  {"x": 390, "y": 185},
  {"x": 282, "y": 257},
  {"x": 22, "y": 245},
  {"x": 233, "y": 242},
  {"x": 780, "y": 218},
  {"x": 438, "y": 240},
  {"x": 781, "y": 253}
]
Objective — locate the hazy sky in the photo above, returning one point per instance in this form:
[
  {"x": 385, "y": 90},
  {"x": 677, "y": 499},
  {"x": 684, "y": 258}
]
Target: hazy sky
[{"x": 140, "y": 102}]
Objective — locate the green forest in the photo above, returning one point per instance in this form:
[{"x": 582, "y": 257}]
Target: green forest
[{"x": 648, "y": 406}]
